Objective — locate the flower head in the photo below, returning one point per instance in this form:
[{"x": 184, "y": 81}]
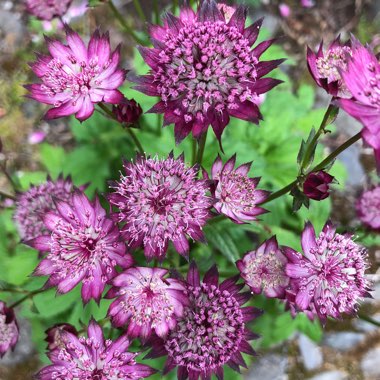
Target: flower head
[
  {"x": 329, "y": 279},
  {"x": 127, "y": 111},
  {"x": 325, "y": 67},
  {"x": 54, "y": 335},
  {"x": 146, "y": 301},
  {"x": 204, "y": 69},
  {"x": 32, "y": 204},
  {"x": 212, "y": 331},
  {"x": 317, "y": 185},
  {"x": 263, "y": 270},
  {"x": 93, "y": 358},
  {"x": 236, "y": 194},
  {"x": 161, "y": 201},
  {"x": 84, "y": 246},
  {"x": 368, "y": 208},
  {"x": 47, "y": 9},
  {"x": 75, "y": 77},
  {"x": 9, "y": 331}
]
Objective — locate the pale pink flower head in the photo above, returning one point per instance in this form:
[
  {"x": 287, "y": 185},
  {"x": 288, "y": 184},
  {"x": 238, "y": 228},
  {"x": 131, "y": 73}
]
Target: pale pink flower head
[
  {"x": 9, "y": 332},
  {"x": 285, "y": 10},
  {"x": 161, "y": 200},
  {"x": 75, "y": 77},
  {"x": 263, "y": 270},
  {"x": 325, "y": 66},
  {"x": 83, "y": 245},
  {"x": 368, "y": 208},
  {"x": 213, "y": 330},
  {"x": 147, "y": 300},
  {"x": 236, "y": 194},
  {"x": 93, "y": 358},
  {"x": 47, "y": 9},
  {"x": 328, "y": 280},
  {"x": 204, "y": 69},
  {"x": 36, "y": 137}
]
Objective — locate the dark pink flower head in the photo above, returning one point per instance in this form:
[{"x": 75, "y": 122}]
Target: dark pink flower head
[
  {"x": 325, "y": 67},
  {"x": 236, "y": 194},
  {"x": 317, "y": 185},
  {"x": 54, "y": 335},
  {"x": 362, "y": 78},
  {"x": 204, "y": 69},
  {"x": 127, "y": 111},
  {"x": 263, "y": 269},
  {"x": 84, "y": 246},
  {"x": 47, "y": 9},
  {"x": 146, "y": 301},
  {"x": 32, "y": 204},
  {"x": 212, "y": 331},
  {"x": 161, "y": 200},
  {"x": 9, "y": 331},
  {"x": 368, "y": 208},
  {"x": 329, "y": 278},
  {"x": 75, "y": 77},
  {"x": 93, "y": 358}
]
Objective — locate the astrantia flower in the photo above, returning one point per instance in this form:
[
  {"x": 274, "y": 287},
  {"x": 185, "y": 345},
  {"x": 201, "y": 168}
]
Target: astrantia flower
[
  {"x": 9, "y": 331},
  {"x": 83, "y": 245},
  {"x": 146, "y": 301},
  {"x": 32, "y": 204},
  {"x": 236, "y": 194},
  {"x": 75, "y": 77},
  {"x": 362, "y": 78},
  {"x": 161, "y": 201},
  {"x": 54, "y": 335},
  {"x": 127, "y": 111},
  {"x": 47, "y": 9},
  {"x": 317, "y": 185},
  {"x": 212, "y": 331},
  {"x": 204, "y": 69},
  {"x": 329, "y": 279},
  {"x": 325, "y": 67},
  {"x": 93, "y": 358},
  {"x": 368, "y": 208},
  {"x": 263, "y": 270}
]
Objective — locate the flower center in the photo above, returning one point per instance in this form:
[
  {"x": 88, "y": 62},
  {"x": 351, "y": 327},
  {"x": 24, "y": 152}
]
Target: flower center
[
  {"x": 7, "y": 330},
  {"x": 334, "y": 59},
  {"x": 372, "y": 89}
]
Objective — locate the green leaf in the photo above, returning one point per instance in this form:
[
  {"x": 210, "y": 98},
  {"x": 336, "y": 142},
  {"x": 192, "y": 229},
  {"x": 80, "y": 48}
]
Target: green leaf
[{"x": 52, "y": 158}]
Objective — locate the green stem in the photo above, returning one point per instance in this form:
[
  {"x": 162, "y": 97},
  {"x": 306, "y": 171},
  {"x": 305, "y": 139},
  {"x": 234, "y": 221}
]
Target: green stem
[
  {"x": 28, "y": 296},
  {"x": 216, "y": 219},
  {"x": 139, "y": 10},
  {"x": 174, "y": 6},
  {"x": 156, "y": 11},
  {"x": 201, "y": 149},
  {"x": 368, "y": 319},
  {"x": 6, "y": 195},
  {"x": 13, "y": 290}
]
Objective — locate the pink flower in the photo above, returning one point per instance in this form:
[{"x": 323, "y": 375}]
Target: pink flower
[
  {"x": 36, "y": 137},
  {"x": 307, "y": 3},
  {"x": 328, "y": 280},
  {"x": 317, "y": 185},
  {"x": 285, "y": 10},
  {"x": 368, "y": 208},
  {"x": 9, "y": 332},
  {"x": 47, "y": 9},
  {"x": 161, "y": 201},
  {"x": 93, "y": 358},
  {"x": 146, "y": 301},
  {"x": 127, "y": 111},
  {"x": 204, "y": 69},
  {"x": 75, "y": 77},
  {"x": 263, "y": 270},
  {"x": 213, "y": 330},
  {"x": 84, "y": 246},
  {"x": 236, "y": 194},
  {"x": 54, "y": 335}
]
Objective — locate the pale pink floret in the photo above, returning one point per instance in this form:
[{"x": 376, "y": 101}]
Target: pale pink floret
[
  {"x": 75, "y": 77},
  {"x": 93, "y": 358},
  {"x": 368, "y": 208},
  {"x": 9, "y": 331},
  {"x": 47, "y": 9},
  {"x": 84, "y": 246},
  {"x": 146, "y": 301}
]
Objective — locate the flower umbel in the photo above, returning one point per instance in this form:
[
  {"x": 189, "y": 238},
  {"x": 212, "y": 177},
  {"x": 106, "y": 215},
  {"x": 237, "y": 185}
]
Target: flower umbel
[
  {"x": 204, "y": 69},
  {"x": 368, "y": 208},
  {"x": 47, "y": 9},
  {"x": 83, "y": 245},
  {"x": 75, "y": 77},
  {"x": 161, "y": 200},
  {"x": 127, "y": 111},
  {"x": 9, "y": 331}
]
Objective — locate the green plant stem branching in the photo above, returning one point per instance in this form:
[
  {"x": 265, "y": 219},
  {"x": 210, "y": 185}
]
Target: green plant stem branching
[
  {"x": 27, "y": 296},
  {"x": 201, "y": 149},
  {"x": 139, "y": 10}
]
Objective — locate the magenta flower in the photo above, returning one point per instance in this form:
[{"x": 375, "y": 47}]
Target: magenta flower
[
  {"x": 329, "y": 279},
  {"x": 161, "y": 201},
  {"x": 236, "y": 194},
  {"x": 317, "y": 185},
  {"x": 54, "y": 335},
  {"x": 362, "y": 78},
  {"x": 368, "y": 208},
  {"x": 263, "y": 269},
  {"x": 36, "y": 137},
  {"x": 84, "y": 246},
  {"x": 9, "y": 332},
  {"x": 127, "y": 111},
  {"x": 204, "y": 69},
  {"x": 146, "y": 301},
  {"x": 325, "y": 67},
  {"x": 34, "y": 203},
  {"x": 93, "y": 358},
  {"x": 284, "y": 10},
  {"x": 75, "y": 77},
  {"x": 212, "y": 331},
  {"x": 47, "y": 9}
]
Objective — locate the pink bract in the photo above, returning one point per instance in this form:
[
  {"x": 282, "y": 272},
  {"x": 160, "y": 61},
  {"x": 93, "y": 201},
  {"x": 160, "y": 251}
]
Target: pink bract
[{"x": 317, "y": 185}]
